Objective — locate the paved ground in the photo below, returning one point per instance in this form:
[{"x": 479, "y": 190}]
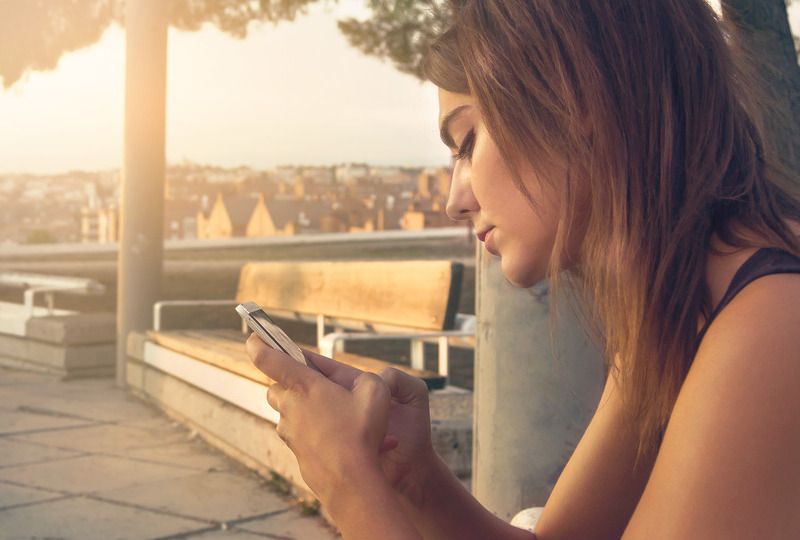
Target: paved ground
[{"x": 85, "y": 460}]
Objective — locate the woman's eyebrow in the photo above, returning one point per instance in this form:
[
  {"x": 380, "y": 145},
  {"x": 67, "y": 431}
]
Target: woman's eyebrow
[{"x": 444, "y": 130}]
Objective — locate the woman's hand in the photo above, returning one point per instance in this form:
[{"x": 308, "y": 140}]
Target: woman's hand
[
  {"x": 339, "y": 420},
  {"x": 406, "y": 454},
  {"x": 334, "y": 432}
]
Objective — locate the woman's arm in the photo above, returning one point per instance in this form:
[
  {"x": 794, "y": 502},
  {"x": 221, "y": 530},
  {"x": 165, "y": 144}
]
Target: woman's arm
[
  {"x": 728, "y": 464},
  {"x": 365, "y": 507},
  {"x": 442, "y": 508}
]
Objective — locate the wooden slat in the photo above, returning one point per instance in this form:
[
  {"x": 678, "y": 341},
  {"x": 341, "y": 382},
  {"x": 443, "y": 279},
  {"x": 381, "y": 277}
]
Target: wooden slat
[
  {"x": 416, "y": 294},
  {"x": 225, "y": 349}
]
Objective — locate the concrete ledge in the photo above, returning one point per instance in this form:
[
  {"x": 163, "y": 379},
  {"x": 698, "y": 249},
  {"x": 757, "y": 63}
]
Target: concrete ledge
[
  {"x": 76, "y": 329},
  {"x": 75, "y": 373},
  {"x": 72, "y": 361}
]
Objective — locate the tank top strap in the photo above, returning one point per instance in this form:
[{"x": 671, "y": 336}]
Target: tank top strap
[{"x": 764, "y": 262}]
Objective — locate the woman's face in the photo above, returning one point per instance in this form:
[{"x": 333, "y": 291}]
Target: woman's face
[{"x": 482, "y": 191}]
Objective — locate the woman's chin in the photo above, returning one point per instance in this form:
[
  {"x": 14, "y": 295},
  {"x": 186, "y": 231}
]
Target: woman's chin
[{"x": 520, "y": 275}]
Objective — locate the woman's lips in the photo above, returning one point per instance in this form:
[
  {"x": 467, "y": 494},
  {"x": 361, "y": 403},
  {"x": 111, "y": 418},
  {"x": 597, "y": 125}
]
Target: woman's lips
[
  {"x": 490, "y": 247},
  {"x": 482, "y": 235}
]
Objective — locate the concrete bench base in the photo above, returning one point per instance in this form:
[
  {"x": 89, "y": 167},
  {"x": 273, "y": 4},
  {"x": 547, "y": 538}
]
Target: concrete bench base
[
  {"x": 67, "y": 361},
  {"x": 70, "y": 345},
  {"x": 251, "y": 438}
]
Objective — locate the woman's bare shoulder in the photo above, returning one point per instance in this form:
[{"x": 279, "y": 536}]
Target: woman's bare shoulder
[{"x": 727, "y": 466}]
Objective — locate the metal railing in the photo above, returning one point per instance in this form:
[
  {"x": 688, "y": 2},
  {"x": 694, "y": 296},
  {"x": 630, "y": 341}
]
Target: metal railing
[{"x": 35, "y": 284}]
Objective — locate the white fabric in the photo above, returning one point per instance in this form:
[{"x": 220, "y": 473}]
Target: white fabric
[{"x": 526, "y": 519}]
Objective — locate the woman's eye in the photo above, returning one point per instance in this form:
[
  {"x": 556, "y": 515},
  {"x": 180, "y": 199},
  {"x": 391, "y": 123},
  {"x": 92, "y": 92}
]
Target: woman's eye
[{"x": 465, "y": 150}]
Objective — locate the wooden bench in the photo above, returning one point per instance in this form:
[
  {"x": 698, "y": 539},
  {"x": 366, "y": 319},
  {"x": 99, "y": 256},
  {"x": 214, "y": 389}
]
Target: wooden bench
[
  {"x": 58, "y": 341},
  {"x": 415, "y": 300},
  {"x": 361, "y": 301}
]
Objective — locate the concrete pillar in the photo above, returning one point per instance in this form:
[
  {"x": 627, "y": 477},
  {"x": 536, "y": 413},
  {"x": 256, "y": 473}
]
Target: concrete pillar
[
  {"x": 531, "y": 407},
  {"x": 142, "y": 208}
]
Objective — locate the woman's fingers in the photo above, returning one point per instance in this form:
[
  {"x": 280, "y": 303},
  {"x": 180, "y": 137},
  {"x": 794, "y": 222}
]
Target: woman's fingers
[
  {"x": 275, "y": 394},
  {"x": 280, "y": 367},
  {"x": 341, "y": 374},
  {"x": 403, "y": 387}
]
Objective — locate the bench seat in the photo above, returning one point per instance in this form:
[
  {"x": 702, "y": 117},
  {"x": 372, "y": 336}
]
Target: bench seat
[{"x": 225, "y": 349}]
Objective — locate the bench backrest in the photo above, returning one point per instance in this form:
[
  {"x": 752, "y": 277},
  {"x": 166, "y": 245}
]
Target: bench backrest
[{"x": 416, "y": 294}]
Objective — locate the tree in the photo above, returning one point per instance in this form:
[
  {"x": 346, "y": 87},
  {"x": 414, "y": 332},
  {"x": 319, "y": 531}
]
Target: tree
[
  {"x": 34, "y": 34},
  {"x": 399, "y": 30},
  {"x": 762, "y": 28}
]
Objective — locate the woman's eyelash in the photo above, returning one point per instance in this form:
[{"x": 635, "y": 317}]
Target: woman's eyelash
[{"x": 465, "y": 150}]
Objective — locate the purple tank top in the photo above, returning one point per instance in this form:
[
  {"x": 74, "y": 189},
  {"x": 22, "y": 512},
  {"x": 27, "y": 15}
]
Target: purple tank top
[{"x": 764, "y": 262}]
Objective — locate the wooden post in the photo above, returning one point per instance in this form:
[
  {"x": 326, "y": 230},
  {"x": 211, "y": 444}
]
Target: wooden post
[
  {"x": 142, "y": 209},
  {"x": 531, "y": 406}
]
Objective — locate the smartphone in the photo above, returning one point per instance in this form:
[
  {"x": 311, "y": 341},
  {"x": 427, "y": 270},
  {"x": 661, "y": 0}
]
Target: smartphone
[{"x": 269, "y": 332}]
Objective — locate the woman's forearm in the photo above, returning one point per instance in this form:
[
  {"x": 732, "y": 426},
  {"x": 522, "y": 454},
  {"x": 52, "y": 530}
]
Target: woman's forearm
[
  {"x": 443, "y": 509},
  {"x": 367, "y": 508}
]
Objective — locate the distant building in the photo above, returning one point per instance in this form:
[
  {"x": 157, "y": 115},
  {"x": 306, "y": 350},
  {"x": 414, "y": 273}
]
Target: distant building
[
  {"x": 351, "y": 173},
  {"x": 180, "y": 219},
  {"x": 241, "y": 215},
  {"x": 418, "y": 218},
  {"x": 434, "y": 182},
  {"x": 99, "y": 226}
]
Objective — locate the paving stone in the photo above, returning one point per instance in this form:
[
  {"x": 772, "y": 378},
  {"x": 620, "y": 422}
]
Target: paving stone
[
  {"x": 14, "y": 452},
  {"x": 88, "y": 519},
  {"x": 136, "y": 455},
  {"x": 291, "y": 524},
  {"x": 11, "y": 495},
  {"x": 194, "y": 454},
  {"x": 91, "y": 474},
  {"x": 12, "y": 377},
  {"x": 155, "y": 423},
  {"x": 215, "y": 496},
  {"x": 229, "y": 534},
  {"x": 15, "y": 421},
  {"x": 105, "y": 438},
  {"x": 85, "y": 398}
]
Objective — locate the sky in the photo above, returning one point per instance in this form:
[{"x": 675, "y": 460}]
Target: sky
[
  {"x": 297, "y": 93},
  {"x": 292, "y": 94}
]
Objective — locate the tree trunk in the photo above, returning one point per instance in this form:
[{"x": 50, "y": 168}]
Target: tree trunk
[{"x": 762, "y": 28}]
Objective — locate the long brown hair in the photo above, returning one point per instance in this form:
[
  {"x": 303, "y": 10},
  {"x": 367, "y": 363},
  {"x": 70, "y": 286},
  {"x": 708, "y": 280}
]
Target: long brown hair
[{"x": 644, "y": 102}]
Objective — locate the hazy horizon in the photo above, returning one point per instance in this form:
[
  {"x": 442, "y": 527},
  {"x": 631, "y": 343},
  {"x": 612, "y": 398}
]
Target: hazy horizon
[{"x": 230, "y": 103}]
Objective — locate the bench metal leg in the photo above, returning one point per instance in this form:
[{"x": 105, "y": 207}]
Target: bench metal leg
[
  {"x": 320, "y": 329},
  {"x": 327, "y": 345},
  {"x": 339, "y": 346},
  {"x": 444, "y": 356},
  {"x": 417, "y": 354}
]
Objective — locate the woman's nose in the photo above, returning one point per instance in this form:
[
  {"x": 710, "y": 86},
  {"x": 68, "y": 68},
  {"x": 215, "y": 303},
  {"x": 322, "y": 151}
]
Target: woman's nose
[{"x": 461, "y": 202}]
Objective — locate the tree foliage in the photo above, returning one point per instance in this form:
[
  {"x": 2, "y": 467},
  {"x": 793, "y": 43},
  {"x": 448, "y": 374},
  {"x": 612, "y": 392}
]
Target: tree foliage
[
  {"x": 34, "y": 34},
  {"x": 398, "y": 30},
  {"x": 762, "y": 29}
]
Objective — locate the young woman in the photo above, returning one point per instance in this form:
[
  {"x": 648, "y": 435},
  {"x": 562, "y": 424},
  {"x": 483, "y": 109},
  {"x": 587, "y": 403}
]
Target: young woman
[{"x": 612, "y": 144}]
